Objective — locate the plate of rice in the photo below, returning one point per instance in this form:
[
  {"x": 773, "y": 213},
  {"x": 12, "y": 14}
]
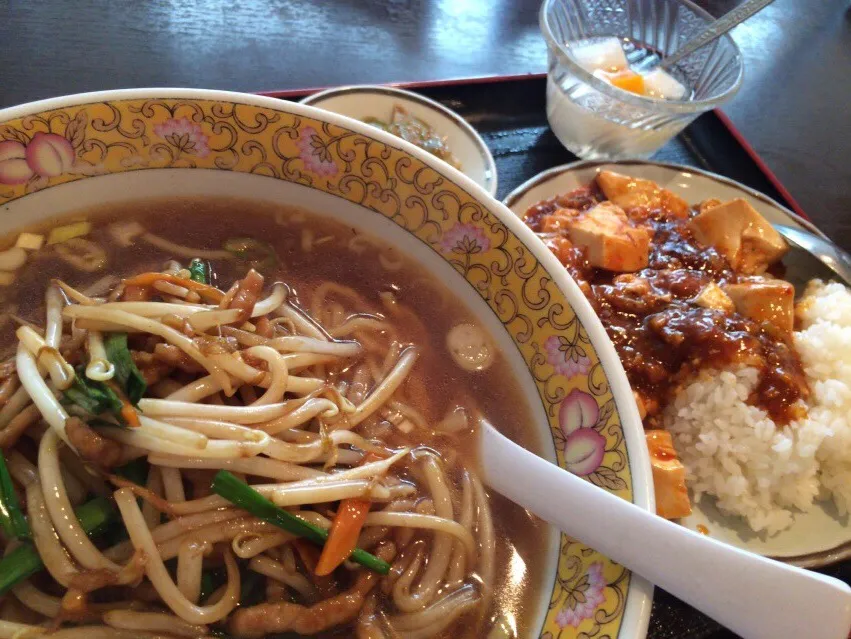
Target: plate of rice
[{"x": 738, "y": 347}]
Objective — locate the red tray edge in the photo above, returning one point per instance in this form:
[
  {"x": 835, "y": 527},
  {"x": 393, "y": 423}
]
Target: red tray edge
[
  {"x": 763, "y": 167},
  {"x": 487, "y": 79},
  {"x": 483, "y": 79}
]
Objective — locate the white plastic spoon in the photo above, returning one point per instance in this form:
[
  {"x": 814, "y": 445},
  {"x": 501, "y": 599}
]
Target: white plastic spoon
[{"x": 755, "y": 597}]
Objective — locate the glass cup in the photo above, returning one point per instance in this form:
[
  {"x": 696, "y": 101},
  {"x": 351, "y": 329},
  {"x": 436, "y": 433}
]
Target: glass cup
[{"x": 596, "y": 120}]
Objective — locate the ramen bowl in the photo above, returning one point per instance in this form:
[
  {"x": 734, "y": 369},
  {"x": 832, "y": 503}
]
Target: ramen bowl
[{"x": 64, "y": 155}]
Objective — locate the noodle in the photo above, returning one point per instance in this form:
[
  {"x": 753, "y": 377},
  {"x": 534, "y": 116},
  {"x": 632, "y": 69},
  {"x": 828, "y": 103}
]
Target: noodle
[
  {"x": 271, "y": 303},
  {"x": 61, "y": 513},
  {"x": 184, "y": 251},
  {"x": 158, "y": 574},
  {"x": 437, "y": 617},
  {"x": 48, "y": 356},
  {"x": 425, "y": 522},
  {"x": 236, "y": 414},
  {"x": 152, "y": 622},
  {"x": 384, "y": 390},
  {"x": 458, "y": 565},
  {"x": 278, "y": 572},
  {"x": 420, "y": 595},
  {"x": 53, "y": 327},
  {"x": 215, "y": 533},
  {"x": 34, "y": 385},
  {"x": 37, "y": 600},
  {"x": 146, "y": 440},
  {"x": 248, "y": 545},
  {"x": 55, "y": 559},
  {"x": 260, "y": 466},
  {"x": 127, "y": 320},
  {"x": 487, "y": 539},
  {"x": 174, "y": 528},
  {"x": 12, "y": 630},
  {"x": 277, "y": 369},
  {"x": 18, "y": 425},
  {"x": 190, "y": 558},
  {"x": 172, "y": 484},
  {"x": 324, "y": 413}
]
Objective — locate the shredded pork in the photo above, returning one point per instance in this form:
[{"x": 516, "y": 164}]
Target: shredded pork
[{"x": 91, "y": 446}]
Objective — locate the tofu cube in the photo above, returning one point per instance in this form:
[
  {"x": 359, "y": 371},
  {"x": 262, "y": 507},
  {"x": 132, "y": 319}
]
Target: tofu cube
[
  {"x": 661, "y": 84},
  {"x": 713, "y": 296},
  {"x": 669, "y": 476},
  {"x": 29, "y": 241},
  {"x": 767, "y": 301},
  {"x": 737, "y": 231},
  {"x": 604, "y": 54},
  {"x": 711, "y": 203},
  {"x": 630, "y": 193},
  {"x": 610, "y": 240}
]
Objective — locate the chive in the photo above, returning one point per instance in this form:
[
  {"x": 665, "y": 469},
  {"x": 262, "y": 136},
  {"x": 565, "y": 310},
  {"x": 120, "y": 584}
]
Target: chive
[
  {"x": 228, "y": 486},
  {"x": 126, "y": 373},
  {"x": 24, "y": 561},
  {"x": 210, "y": 582},
  {"x": 93, "y": 397},
  {"x": 252, "y": 588},
  {"x": 94, "y": 515},
  {"x": 78, "y": 394},
  {"x": 206, "y": 586},
  {"x": 11, "y": 517},
  {"x": 135, "y": 470},
  {"x": 260, "y": 255},
  {"x": 198, "y": 271}
]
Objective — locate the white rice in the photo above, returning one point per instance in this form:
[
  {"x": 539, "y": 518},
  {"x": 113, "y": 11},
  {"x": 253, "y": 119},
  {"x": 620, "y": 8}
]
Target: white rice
[{"x": 753, "y": 467}]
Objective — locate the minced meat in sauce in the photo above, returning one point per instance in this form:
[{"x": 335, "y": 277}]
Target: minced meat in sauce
[{"x": 662, "y": 336}]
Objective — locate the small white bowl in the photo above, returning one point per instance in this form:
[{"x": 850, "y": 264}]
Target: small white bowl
[{"x": 364, "y": 101}]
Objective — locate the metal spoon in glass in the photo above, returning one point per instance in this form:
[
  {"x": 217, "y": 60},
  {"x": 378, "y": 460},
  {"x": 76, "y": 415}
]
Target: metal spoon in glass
[
  {"x": 755, "y": 597},
  {"x": 825, "y": 251},
  {"x": 709, "y": 34}
]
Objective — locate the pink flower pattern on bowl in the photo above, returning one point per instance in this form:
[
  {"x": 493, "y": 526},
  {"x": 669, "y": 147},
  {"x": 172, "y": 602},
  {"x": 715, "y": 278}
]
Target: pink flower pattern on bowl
[
  {"x": 584, "y": 447},
  {"x": 116, "y": 136},
  {"x": 465, "y": 239},
  {"x": 46, "y": 155},
  {"x": 184, "y": 135},
  {"x": 568, "y": 358},
  {"x": 315, "y": 153},
  {"x": 583, "y": 598}
]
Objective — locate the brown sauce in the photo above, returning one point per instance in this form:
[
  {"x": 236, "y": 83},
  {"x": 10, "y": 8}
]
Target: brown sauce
[
  {"x": 205, "y": 223},
  {"x": 661, "y": 335}
]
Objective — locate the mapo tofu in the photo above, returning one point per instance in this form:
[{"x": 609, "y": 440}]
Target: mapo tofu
[{"x": 678, "y": 289}]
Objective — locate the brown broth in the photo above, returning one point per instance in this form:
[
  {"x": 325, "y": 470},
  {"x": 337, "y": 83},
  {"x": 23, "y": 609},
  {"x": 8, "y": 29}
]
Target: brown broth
[{"x": 206, "y": 224}]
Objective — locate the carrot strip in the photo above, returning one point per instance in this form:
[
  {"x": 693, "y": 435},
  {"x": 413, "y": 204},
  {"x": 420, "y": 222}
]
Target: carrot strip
[
  {"x": 344, "y": 534},
  {"x": 345, "y": 529},
  {"x": 136, "y": 294},
  {"x": 129, "y": 414},
  {"x": 128, "y": 411},
  {"x": 149, "y": 279}
]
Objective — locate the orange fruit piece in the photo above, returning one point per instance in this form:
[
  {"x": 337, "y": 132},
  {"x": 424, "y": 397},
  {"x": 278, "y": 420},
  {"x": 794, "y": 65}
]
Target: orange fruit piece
[{"x": 627, "y": 80}]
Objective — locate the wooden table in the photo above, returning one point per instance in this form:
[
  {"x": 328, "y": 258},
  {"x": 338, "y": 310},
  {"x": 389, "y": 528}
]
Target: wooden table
[{"x": 793, "y": 107}]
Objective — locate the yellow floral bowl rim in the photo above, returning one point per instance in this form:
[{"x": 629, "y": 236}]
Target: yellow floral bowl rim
[{"x": 594, "y": 423}]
